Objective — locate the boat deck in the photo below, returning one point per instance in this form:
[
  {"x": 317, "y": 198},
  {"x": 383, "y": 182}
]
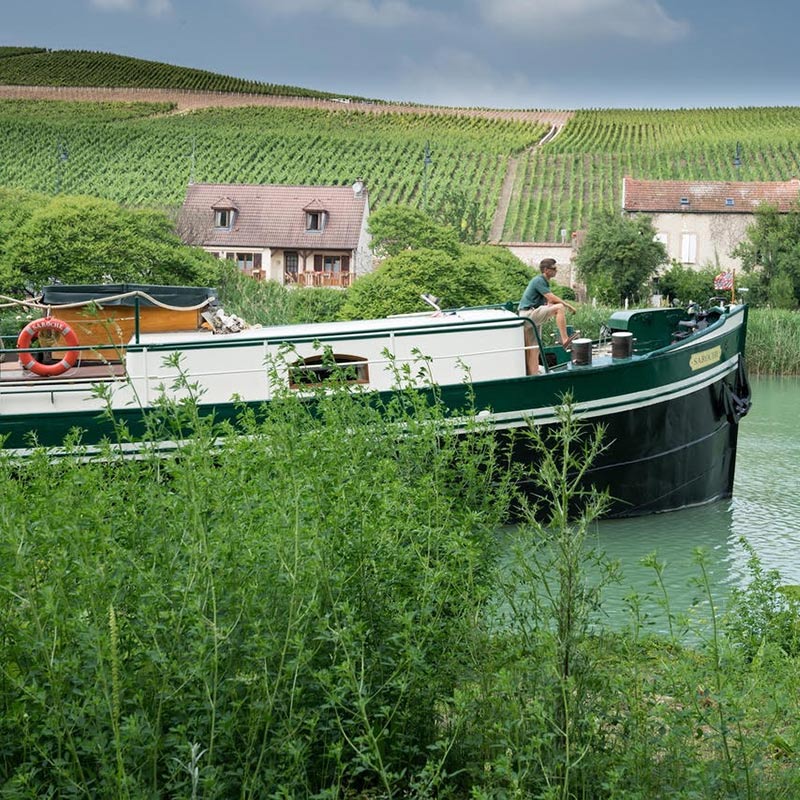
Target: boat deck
[{"x": 11, "y": 372}]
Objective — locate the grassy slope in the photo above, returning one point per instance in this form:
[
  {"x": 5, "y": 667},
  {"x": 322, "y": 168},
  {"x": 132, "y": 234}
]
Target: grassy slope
[{"x": 32, "y": 67}]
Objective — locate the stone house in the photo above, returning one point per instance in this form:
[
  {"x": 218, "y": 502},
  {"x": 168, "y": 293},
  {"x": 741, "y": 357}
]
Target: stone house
[
  {"x": 301, "y": 235},
  {"x": 701, "y": 222}
]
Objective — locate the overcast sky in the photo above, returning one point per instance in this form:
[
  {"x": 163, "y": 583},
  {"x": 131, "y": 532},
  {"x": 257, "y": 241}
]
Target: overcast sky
[{"x": 497, "y": 53}]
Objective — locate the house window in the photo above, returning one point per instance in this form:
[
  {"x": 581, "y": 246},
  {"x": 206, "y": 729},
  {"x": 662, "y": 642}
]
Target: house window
[
  {"x": 245, "y": 261},
  {"x": 314, "y": 370},
  {"x": 291, "y": 262},
  {"x": 223, "y": 218},
  {"x": 315, "y": 220},
  {"x": 689, "y": 248},
  {"x": 331, "y": 264}
]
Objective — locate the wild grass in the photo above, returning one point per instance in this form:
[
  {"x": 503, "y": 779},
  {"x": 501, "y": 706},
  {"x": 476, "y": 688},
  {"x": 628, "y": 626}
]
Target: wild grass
[
  {"x": 271, "y": 303},
  {"x": 773, "y": 342},
  {"x": 275, "y": 616}
]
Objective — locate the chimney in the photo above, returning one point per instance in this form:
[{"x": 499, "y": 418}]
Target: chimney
[{"x": 358, "y": 187}]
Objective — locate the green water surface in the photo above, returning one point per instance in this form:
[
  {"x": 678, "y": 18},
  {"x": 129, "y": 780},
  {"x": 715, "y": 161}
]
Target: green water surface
[{"x": 765, "y": 510}]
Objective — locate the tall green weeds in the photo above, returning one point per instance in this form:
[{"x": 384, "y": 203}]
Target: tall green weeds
[
  {"x": 773, "y": 342},
  {"x": 321, "y": 608},
  {"x": 276, "y": 615}
]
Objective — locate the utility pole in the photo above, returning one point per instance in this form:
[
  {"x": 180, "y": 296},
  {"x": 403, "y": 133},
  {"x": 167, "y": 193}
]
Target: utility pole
[
  {"x": 426, "y": 162},
  {"x": 62, "y": 157},
  {"x": 191, "y": 171}
]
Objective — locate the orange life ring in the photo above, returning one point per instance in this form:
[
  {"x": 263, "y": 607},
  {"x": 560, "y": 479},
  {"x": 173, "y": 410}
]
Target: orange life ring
[{"x": 32, "y": 330}]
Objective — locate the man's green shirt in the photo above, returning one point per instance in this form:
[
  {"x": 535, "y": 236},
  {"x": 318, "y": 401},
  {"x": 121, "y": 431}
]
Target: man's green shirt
[{"x": 534, "y": 294}]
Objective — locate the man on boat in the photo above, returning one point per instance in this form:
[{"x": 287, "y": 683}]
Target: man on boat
[{"x": 539, "y": 304}]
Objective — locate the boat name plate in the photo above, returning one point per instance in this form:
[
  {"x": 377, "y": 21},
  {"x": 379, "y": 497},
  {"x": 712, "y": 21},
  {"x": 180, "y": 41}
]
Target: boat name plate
[{"x": 705, "y": 358}]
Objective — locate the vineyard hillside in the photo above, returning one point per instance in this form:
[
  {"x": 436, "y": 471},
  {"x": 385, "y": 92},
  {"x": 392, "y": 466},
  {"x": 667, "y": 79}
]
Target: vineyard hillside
[
  {"x": 562, "y": 184},
  {"x": 30, "y": 66},
  {"x": 556, "y": 169},
  {"x": 141, "y": 154}
]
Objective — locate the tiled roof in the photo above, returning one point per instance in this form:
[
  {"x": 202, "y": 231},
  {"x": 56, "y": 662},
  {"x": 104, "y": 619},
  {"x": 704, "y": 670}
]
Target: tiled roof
[
  {"x": 728, "y": 197},
  {"x": 223, "y": 203},
  {"x": 273, "y": 216}
]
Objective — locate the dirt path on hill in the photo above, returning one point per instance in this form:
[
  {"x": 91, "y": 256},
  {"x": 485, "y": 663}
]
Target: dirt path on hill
[
  {"x": 186, "y": 101},
  {"x": 503, "y": 202}
]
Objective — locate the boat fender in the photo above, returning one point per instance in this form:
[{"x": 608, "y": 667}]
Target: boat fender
[
  {"x": 32, "y": 331},
  {"x": 737, "y": 400}
]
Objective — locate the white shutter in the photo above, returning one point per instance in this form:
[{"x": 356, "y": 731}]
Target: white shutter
[{"x": 689, "y": 248}]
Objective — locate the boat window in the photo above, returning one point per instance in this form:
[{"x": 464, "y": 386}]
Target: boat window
[{"x": 315, "y": 370}]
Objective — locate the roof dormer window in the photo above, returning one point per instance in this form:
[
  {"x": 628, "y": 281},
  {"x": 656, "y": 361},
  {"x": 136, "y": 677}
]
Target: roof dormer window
[
  {"x": 223, "y": 218},
  {"x": 224, "y": 213},
  {"x": 316, "y": 217},
  {"x": 684, "y": 201}
]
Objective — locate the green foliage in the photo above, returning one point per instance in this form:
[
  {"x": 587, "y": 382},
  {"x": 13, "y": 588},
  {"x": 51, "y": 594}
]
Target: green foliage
[
  {"x": 478, "y": 275},
  {"x": 562, "y": 185},
  {"x": 232, "y": 622},
  {"x": 86, "y": 240},
  {"x": 782, "y": 292},
  {"x": 466, "y": 215},
  {"x": 773, "y": 342},
  {"x": 686, "y": 285},
  {"x": 579, "y": 173},
  {"x": 150, "y": 160},
  {"x": 270, "y": 303},
  {"x": 396, "y": 285},
  {"x": 535, "y": 712},
  {"x": 760, "y": 615},
  {"x": 395, "y": 229},
  {"x": 6, "y": 51},
  {"x": 772, "y": 249},
  {"x": 618, "y": 256},
  {"x": 277, "y": 616}
]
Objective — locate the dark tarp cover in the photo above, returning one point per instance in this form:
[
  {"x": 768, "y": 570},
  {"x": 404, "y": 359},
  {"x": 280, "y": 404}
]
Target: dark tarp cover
[{"x": 177, "y": 296}]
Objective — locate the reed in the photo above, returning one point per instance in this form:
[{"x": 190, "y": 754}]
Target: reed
[{"x": 773, "y": 342}]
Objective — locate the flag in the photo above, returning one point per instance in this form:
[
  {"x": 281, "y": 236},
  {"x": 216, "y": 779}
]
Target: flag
[{"x": 723, "y": 282}]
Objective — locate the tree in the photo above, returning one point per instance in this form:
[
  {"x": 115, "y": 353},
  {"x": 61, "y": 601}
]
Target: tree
[
  {"x": 466, "y": 215},
  {"x": 425, "y": 257},
  {"x": 772, "y": 251},
  {"x": 398, "y": 228},
  {"x": 686, "y": 285},
  {"x": 87, "y": 240},
  {"x": 477, "y": 276},
  {"x": 618, "y": 256}
]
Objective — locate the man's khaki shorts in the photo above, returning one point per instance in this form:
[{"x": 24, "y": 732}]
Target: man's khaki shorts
[{"x": 537, "y": 315}]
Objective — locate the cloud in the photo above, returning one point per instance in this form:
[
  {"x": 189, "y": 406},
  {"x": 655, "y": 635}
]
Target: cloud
[
  {"x": 456, "y": 77},
  {"x": 364, "y": 13},
  {"x": 581, "y": 19},
  {"x": 153, "y": 8}
]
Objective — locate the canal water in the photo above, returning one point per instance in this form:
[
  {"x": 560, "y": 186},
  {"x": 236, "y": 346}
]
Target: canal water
[{"x": 764, "y": 510}]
